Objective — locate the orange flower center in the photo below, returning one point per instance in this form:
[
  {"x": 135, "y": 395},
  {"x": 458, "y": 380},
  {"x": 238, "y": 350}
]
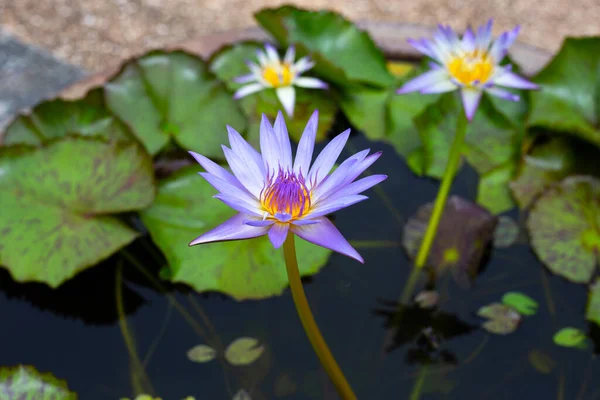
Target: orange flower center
[
  {"x": 286, "y": 193},
  {"x": 278, "y": 75},
  {"x": 471, "y": 69}
]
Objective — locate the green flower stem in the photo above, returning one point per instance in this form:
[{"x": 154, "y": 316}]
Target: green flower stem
[
  {"x": 439, "y": 205},
  {"x": 309, "y": 324}
]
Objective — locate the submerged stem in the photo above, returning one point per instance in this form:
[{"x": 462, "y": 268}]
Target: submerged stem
[{"x": 309, "y": 324}]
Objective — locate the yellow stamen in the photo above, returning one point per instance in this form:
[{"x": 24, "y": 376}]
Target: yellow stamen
[
  {"x": 473, "y": 68},
  {"x": 278, "y": 75}
]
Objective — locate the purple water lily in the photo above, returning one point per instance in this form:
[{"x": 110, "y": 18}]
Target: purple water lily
[
  {"x": 281, "y": 75},
  {"x": 471, "y": 65},
  {"x": 276, "y": 195}
]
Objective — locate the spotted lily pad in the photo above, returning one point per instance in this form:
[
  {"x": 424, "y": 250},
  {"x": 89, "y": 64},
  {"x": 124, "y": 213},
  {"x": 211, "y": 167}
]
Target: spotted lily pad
[
  {"x": 522, "y": 303},
  {"x": 541, "y": 361},
  {"x": 464, "y": 232},
  {"x": 163, "y": 95},
  {"x": 563, "y": 226},
  {"x": 24, "y": 382},
  {"x": 342, "y": 51},
  {"x": 201, "y": 353},
  {"x": 492, "y": 147},
  {"x": 57, "y": 200},
  {"x": 569, "y": 100},
  {"x": 506, "y": 232},
  {"x": 229, "y": 63},
  {"x": 570, "y": 337},
  {"x": 592, "y": 312},
  {"x": 58, "y": 118},
  {"x": 501, "y": 319},
  {"x": 243, "y": 351},
  {"x": 246, "y": 269}
]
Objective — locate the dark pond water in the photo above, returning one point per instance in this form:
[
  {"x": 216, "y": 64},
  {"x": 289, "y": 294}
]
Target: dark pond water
[{"x": 74, "y": 332}]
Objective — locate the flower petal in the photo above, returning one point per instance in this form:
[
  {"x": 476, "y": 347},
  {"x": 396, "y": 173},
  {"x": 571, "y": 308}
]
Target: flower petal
[
  {"x": 259, "y": 222},
  {"x": 239, "y": 205},
  {"x": 359, "y": 186},
  {"x": 232, "y": 229},
  {"x": 327, "y": 158},
  {"x": 269, "y": 147},
  {"x": 306, "y": 145},
  {"x": 502, "y": 43},
  {"x": 254, "y": 183},
  {"x": 225, "y": 187},
  {"x": 422, "y": 81},
  {"x": 440, "y": 87},
  {"x": 470, "y": 99},
  {"x": 303, "y": 65},
  {"x": 287, "y": 97},
  {"x": 246, "y": 152},
  {"x": 484, "y": 35},
  {"x": 510, "y": 79},
  {"x": 338, "y": 177},
  {"x": 325, "y": 234},
  {"x": 503, "y": 94},
  {"x": 262, "y": 57},
  {"x": 422, "y": 46},
  {"x": 283, "y": 139},
  {"x": 272, "y": 54},
  {"x": 310, "y": 83},
  {"x": 248, "y": 89},
  {"x": 216, "y": 170},
  {"x": 328, "y": 206},
  {"x": 278, "y": 233},
  {"x": 468, "y": 40},
  {"x": 245, "y": 78},
  {"x": 290, "y": 55},
  {"x": 301, "y": 222}
]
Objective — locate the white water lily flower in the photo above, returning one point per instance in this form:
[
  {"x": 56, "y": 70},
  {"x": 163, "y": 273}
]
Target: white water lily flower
[
  {"x": 281, "y": 75},
  {"x": 470, "y": 64}
]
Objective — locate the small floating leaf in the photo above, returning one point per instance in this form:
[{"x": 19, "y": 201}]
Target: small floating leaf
[
  {"x": 563, "y": 228},
  {"x": 592, "y": 312},
  {"x": 524, "y": 304},
  {"x": 242, "y": 395},
  {"x": 427, "y": 298},
  {"x": 506, "y": 232},
  {"x": 463, "y": 234},
  {"x": 502, "y": 319},
  {"x": 570, "y": 337},
  {"x": 201, "y": 353},
  {"x": 243, "y": 351},
  {"x": 541, "y": 361},
  {"x": 25, "y": 382}
]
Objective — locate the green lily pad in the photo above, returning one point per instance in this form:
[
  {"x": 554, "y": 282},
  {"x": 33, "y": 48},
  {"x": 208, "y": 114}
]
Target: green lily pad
[
  {"x": 342, "y": 51},
  {"x": 464, "y": 231},
  {"x": 58, "y": 118},
  {"x": 201, "y": 353},
  {"x": 569, "y": 100},
  {"x": 570, "y": 337},
  {"x": 506, "y": 232},
  {"x": 243, "y": 351},
  {"x": 592, "y": 312},
  {"x": 229, "y": 63},
  {"x": 163, "y": 95},
  {"x": 25, "y": 382},
  {"x": 563, "y": 228},
  {"x": 541, "y": 361},
  {"x": 56, "y": 202},
  {"x": 524, "y": 304},
  {"x": 246, "y": 269},
  {"x": 492, "y": 147},
  {"x": 502, "y": 319}
]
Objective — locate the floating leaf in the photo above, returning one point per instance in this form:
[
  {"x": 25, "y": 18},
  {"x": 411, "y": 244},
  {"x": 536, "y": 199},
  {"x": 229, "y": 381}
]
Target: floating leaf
[
  {"x": 506, "y": 232},
  {"x": 229, "y": 63},
  {"x": 464, "y": 231},
  {"x": 524, "y": 304},
  {"x": 342, "y": 51},
  {"x": 427, "y": 298},
  {"x": 592, "y": 312},
  {"x": 563, "y": 228},
  {"x": 502, "y": 319},
  {"x": 492, "y": 147},
  {"x": 541, "y": 361},
  {"x": 366, "y": 108},
  {"x": 570, "y": 337},
  {"x": 201, "y": 353},
  {"x": 568, "y": 100},
  {"x": 245, "y": 269},
  {"x": 242, "y": 395},
  {"x": 243, "y": 351},
  {"x": 163, "y": 95},
  {"x": 58, "y": 118},
  {"x": 56, "y": 202},
  {"x": 24, "y": 382}
]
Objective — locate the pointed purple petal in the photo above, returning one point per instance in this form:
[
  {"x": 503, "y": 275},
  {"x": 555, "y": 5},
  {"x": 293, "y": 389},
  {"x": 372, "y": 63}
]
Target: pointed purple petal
[
  {"x": 259, "y": 222},
  {"x": 422, "y": 81},
  {"x": 278, "y": 233},
  {"x": 248, "y": 89},
  {"x": 306, "y": 145},
  {"x": 269, "y": 146},
  {"x": 327, "y": 158},
  {"x": 283, "y": 139},
  {"x": 503, "y": 94},
  {"x": 310, "y": 83},
  {"x": 327, "y": 207},
  {"x": 325, "y": 234},
  {"x": 354, "y": 172},
  {"x": 422, "y": 46},
  {"x": 359, "y": 186},
  {"x": 440, "y": 87},
  {"x": 254, "y": 183},
  {"x": 245, "y": 78},
  {"x": 339, "y": 177},
  {"x": 246, "y": 153},
  {"x": 470, "y": 99},
  {"x": 225, "y": 187},
  {"x": 290, "y": 55},
  {"x": 510, "y": 79},
  {"x": 468, "y": 40},
  {"x": 239, "y": 205},
  {"x": 232, "y": 229},
  {"x": 272, "y": 53},
  {"x": 301, "y": 222},
  {"x": 216, "y": 170}
]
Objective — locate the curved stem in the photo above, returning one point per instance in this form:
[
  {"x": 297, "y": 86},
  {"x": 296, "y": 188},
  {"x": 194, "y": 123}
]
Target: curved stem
[{"x": 309, "y": 324}]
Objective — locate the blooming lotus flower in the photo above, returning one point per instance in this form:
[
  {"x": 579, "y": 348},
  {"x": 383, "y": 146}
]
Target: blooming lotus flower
[
  {"x": 272, "y": 72},
  {"x": 471, "y": 65},
  {"x": 276, "y": 195}
]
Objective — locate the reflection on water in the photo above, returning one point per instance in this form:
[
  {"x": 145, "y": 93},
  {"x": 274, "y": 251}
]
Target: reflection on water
[{"x": 384, "y": 350}]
